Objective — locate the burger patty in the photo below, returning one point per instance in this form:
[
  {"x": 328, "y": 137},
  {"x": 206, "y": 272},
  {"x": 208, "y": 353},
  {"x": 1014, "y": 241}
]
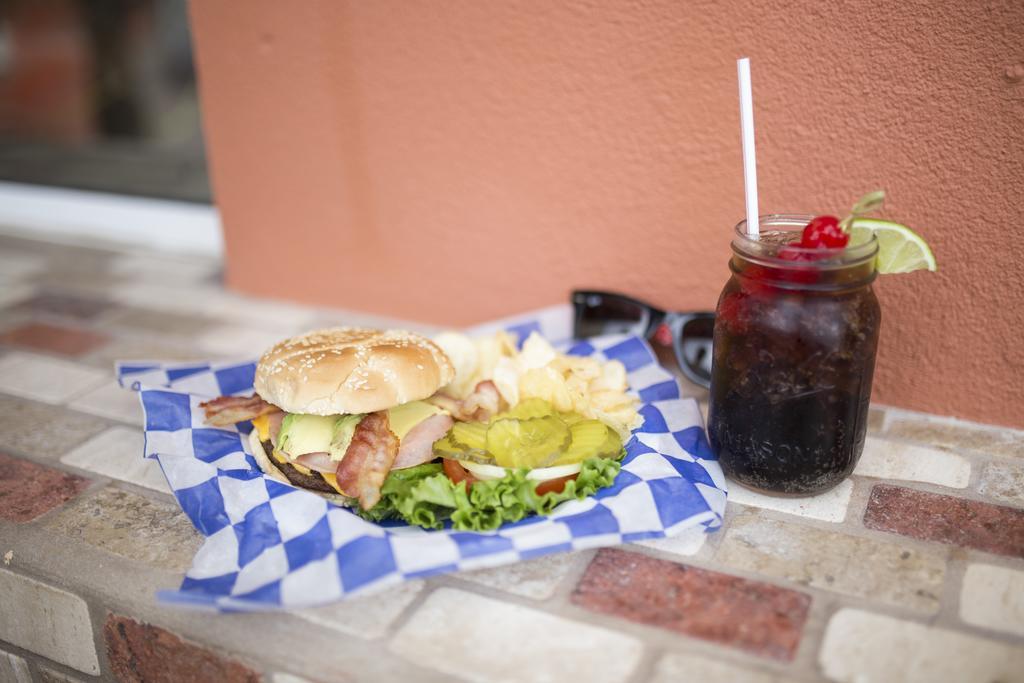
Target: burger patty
[{"x": 312, "y": 481}]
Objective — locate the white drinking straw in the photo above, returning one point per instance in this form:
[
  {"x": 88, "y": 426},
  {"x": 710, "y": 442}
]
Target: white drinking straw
[{"x": 747, "y": 130}]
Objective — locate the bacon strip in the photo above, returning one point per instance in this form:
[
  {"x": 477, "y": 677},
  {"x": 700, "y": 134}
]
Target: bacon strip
[
  {"x": 418, "y": 445},
  {"x": 228, "y": 410},
  {"x": 480, "y": 406},
  {"x": 368, "y": 459}
]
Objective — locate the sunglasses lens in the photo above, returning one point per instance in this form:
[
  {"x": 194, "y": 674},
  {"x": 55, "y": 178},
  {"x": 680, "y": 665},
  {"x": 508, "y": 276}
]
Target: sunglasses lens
[
  {"x": 598, "y": 314},
  {"x": 696, "y": 346}
]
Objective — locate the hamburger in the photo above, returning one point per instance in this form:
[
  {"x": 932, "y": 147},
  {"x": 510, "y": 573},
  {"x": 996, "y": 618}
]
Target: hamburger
[
  {"x": 336, "y": 410},
  {"x": 372, "y": 419}
]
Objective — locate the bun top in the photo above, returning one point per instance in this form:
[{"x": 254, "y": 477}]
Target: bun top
[{"x": 351, "y": 370}]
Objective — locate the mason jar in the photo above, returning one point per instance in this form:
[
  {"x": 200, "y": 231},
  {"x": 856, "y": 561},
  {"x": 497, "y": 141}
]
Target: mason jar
[{"x": 796, "y": 331}]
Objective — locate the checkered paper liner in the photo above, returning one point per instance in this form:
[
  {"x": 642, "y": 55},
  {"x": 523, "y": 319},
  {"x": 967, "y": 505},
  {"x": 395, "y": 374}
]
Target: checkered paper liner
[{"x": 271, "y": 546}]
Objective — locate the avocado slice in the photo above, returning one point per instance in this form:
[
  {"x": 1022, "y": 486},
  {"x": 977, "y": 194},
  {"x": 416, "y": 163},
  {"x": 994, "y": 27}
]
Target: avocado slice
[
  {"x": 301, "y": 434},
  {"x": 341, "y": 437}
]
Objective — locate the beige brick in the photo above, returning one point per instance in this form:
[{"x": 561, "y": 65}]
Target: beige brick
[
  {"x": 886, "y": 459},
  {"x": 537, "y": 578},
  {"x": 13, "y": 669},
  {"x": 500, "y": 642},
  {"x": 1003, "y": 481},
  {"x": 43, "y": 430},
  {"x": 676, "y": 668},
  {"x": 861, "y": 646},
  {"x": 367, "y": 617},
  {"x": 46, "y": 379},
  {"x": 993, "y": 597},
  {"x": 136, "y": 528},
  {"x": 51, "y": 676},
  {"x": 830, "y": 560},
  {"x": 952, "y": 435},
  {"x": 117, "y": 453},
  {"x": 827, "y": 507},
  {"x": 237, "y": 341},
  {"x": 111, "y": 401},
  {"x": 48, "y": 621}
]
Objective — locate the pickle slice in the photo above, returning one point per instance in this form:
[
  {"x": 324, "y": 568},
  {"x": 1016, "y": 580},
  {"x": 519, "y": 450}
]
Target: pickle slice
[
  {"x": 470, "y": 434},
  {"x": 530, "y": 408},
  {"x": 530, "y": 443},
  {"x": 590, "y": 439},
  {"x": 448, "y": 448}
]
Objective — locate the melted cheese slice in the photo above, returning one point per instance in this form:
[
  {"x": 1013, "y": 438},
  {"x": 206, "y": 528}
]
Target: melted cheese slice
[
  {"x": 262, "y": 425},
  {"x": 408, "y": 415},
  {"x": 332, "y": 479}
]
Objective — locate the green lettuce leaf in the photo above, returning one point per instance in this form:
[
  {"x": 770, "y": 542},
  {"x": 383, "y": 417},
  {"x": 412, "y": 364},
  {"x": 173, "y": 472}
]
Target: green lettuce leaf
[{"x": 425, "y": 496}]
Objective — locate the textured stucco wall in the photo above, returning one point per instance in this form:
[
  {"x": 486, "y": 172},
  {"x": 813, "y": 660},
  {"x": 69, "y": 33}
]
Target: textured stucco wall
[{"x": 454, "y": 161}]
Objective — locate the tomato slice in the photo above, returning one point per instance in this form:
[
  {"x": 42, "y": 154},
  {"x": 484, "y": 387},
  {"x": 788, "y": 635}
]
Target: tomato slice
[
  {"x": 556, "y": 485},
  {"x": 457, "y": 472}
]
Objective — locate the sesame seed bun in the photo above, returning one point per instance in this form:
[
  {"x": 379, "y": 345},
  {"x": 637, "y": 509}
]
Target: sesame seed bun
[{"x": 349, "y": 370}]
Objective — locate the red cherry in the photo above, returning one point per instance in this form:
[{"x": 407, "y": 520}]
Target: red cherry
[
  {"x": 819, "y": 231},
  {"x": 835, "y": 238}
]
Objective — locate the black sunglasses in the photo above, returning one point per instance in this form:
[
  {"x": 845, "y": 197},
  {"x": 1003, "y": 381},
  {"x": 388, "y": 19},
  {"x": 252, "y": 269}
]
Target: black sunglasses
[{"x": 689, "y": 335}]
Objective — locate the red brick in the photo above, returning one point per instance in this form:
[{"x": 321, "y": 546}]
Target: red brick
[
  {"x": 53, "y": 338},
  {"x": 28, "y": 490},
  {"x": 142, "y": 652},
  {"x": 757, "y": 617},
  {"x": 946, "y": 519}
]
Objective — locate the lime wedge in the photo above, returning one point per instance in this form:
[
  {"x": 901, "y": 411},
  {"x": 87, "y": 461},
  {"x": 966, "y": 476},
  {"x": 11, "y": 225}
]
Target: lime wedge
[{"x": 900, "y": 249}]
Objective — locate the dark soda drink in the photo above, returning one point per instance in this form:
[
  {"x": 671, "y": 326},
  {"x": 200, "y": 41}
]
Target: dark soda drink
[{"x": 795, "y": 337}]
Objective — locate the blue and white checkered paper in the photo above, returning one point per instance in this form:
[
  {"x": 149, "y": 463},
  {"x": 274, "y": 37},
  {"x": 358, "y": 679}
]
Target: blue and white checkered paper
[{"x": 271, "y": 546}]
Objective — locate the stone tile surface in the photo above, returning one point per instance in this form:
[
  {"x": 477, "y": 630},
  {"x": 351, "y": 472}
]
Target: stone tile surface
[
  {"x": 143, "y": 652},
  {"x": 1003, "y": 481},
  {"x": 955, "y": 436},
  {"x": 13, "y": 293},
  {"x": 67, "y": 341},
  {"x": 832, "y": 560},
  {"x": 44, "y": 430},
  {"x": 367, "y": 617},
  {"x": 685, "y": 544},
  {"x": 127, "y": 348},
  {"x": 756, "y": 617},
  {"x": 50, "y": 676},
  {"x": 946, "y": 519},
  {"x": 828, "y": 507},
  {"x": 678, "y": 667},
  {"x": 117, "y": 453},
  {"x": 47, "y": 621},
  {"x": 887, "y": 459},
  {"x": 861, "y": 646},
  {"x": 45, "y": 379},
  {"x": 65, "y": 305},
  {"x": 537, "y": 579},
  {"x": 136, "y": 528},
  {"x": 14, "y": 669},
  {"x": 876, "y": 419},
  {"x": 111, "y": 401},
  {"x": 237, "y": 342},
  {"x": 18, "y": 264},
  {"x": 144, "y": 320},
  {"x": 993, "y": 597},
  {"x": 500, "y": 642},
  {"x": 28, "y": 490}
]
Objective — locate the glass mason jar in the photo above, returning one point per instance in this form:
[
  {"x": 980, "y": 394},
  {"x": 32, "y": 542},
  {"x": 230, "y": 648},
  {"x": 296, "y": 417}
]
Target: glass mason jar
[{"x": 796, "y": 332}]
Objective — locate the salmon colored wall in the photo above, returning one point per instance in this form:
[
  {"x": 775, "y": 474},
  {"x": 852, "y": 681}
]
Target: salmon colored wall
[{"x": 456, "y": 161}]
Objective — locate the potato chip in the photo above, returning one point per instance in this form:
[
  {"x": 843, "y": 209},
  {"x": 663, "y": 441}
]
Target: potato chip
[{"x": 582, "y": 385}]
